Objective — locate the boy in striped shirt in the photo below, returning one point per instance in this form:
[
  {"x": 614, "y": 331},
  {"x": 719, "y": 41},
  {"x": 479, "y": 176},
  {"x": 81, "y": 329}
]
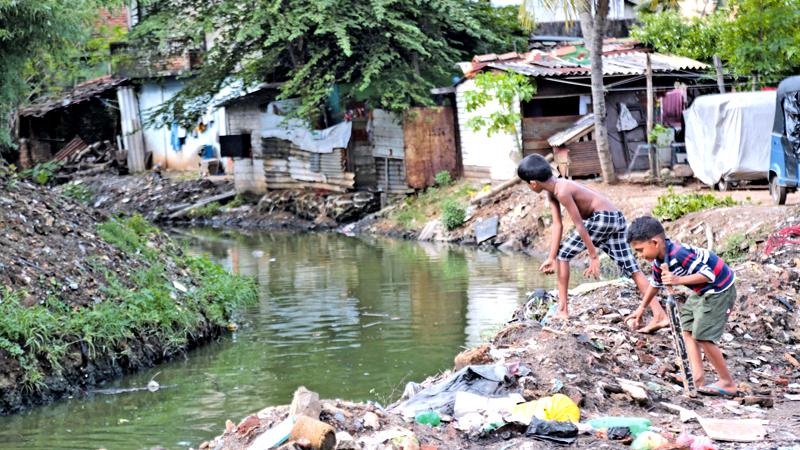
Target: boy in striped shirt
[{"x": 705, "y": 312}]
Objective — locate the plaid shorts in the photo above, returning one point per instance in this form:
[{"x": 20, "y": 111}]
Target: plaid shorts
[{"x": 607, "y": 231}]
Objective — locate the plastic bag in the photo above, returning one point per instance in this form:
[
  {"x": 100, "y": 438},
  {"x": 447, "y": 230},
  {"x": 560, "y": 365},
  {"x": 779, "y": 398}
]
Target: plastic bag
[
  {"x": 648, "y": 440},
  {"x": 553, "y": 431},
  {"x": 558, "y": 407},
  {"x": 636, "y": 424}
]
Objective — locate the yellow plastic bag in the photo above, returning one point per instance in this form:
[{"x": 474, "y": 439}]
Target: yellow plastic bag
[
  {"x": 559, "y": 407},
  {"x": 523, "y": 412}
]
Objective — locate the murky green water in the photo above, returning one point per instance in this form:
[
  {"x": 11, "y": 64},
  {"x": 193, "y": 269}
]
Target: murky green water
[{"x": 351, "y": 318}]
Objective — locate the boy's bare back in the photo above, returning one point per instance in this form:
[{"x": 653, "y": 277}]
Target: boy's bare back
[{"x": 587, "y": 200}]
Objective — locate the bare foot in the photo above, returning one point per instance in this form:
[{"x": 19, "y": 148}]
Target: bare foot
[
  {"x": 653, "y": 326},
  {"x": 562, "y": 315}
]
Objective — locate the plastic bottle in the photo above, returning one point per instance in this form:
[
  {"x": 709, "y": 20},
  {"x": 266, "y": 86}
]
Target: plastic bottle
[
  {"x": 428, "y": 418},
  {"x": 635, "y": 424}
]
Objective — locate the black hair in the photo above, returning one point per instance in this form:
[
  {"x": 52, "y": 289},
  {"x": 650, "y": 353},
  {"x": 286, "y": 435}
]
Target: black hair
[
  {"x": 645, "y": 228},
  {"x": 534, "y": 168}
]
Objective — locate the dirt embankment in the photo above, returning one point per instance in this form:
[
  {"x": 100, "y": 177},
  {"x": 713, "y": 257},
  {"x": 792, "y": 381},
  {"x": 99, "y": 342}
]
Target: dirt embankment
[
  {"x": 607, "y": 370},
  {"x": 595, "y": 359},
  {"x": 84, "y": 298},
  {"x": 186, "y": 199}
]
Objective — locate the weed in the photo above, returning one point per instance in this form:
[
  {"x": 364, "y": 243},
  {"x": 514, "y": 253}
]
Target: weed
[
  {"x": 206, "y": 211},
  {"x": 672, "y": 206},
  {"x": 736, "y": 247},
  {"x": 236, "y": 202},
  {"x": 416, "y": 210},
  {"x": 443, "y": 178},
  {"x": 453, "y": 214},
  {"x": 78, "y": 191},
  {"x": 146, "y": 305},
  {"x": 42, "y": 173}
]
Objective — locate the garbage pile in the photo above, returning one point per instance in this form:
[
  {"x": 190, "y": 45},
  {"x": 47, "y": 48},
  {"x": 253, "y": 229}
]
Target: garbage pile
[
  {"x": 152, "y": 195},
  {"x": 591, "y": 382},
  {"x": 47, "y": 241},
  {"x": 319, "y": 207},
  {"x": 80, "y": 160}
]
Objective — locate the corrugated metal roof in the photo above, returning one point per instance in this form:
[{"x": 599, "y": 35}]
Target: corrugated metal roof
[
  {"x": 82, "y": 92},
  {"x": 577, "y": 129},
  {"x": 620, "y": 57}
]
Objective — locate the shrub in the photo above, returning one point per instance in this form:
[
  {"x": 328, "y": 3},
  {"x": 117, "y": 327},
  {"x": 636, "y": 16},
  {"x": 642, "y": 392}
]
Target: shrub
[
  {"x": 443, "y": 178},
  {"x": 42, "y": 173},
  {"x": 78, "y": 191},
  {"x": 453, "y": 214},
  {"x": 671, "y": 206}
]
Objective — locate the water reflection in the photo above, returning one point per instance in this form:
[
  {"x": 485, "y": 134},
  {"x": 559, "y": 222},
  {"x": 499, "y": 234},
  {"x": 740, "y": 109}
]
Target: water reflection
[{"x": 351, "y": 318}]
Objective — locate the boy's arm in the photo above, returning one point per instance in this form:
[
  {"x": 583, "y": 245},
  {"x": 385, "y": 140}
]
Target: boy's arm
[
  {"x": 575, "y": 215},
  {"x": 648, "y": 296},
  {"x": 558, "y": 226},
  {"x": 696, "y": 278}
]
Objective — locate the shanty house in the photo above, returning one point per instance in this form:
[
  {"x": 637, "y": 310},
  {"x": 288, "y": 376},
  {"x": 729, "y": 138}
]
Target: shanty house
[{"x": 563, "y": 80}]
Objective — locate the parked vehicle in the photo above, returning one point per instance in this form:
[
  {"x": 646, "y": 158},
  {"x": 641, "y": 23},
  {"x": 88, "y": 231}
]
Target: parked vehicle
[
  {"x": 727, "y": 137},
  {"x": 785, "y": 152}
]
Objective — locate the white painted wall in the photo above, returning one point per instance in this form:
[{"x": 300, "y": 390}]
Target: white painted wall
[
  {"x": 157, "y": 140},
  {"x": 477, "y": 148},
  {"x": 558, "y": 13}
]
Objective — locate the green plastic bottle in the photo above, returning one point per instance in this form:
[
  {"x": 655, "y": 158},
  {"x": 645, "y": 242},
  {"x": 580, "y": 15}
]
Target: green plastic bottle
[
  {"x": 635, "y": 424},
  {"x": 428, "y": 418}
]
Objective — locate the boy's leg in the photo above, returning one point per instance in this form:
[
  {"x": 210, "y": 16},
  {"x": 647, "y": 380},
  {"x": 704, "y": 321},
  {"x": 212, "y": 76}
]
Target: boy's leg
[
  {"x": 660, "y": 319},
  {"x": 695, "y": 359},
  {"x": 710, "y": 317},
  {"x": 571, "y": 246},
  {"x": 563, "y": 285},
  {"x": 717, "y": 360}
]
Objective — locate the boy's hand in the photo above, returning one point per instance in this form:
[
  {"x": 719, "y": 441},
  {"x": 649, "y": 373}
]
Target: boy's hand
[
  {"x": 548, "y": 266},
  {"x": 594, "y": 268},
  {"x": 634, "y": 319},
  {"x": 668, "y": 279}
]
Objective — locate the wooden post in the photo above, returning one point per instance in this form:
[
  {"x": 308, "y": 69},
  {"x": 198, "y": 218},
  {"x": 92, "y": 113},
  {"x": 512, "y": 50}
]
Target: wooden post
[
  {"x": 720, "y": 76},
  {"x": 650, "y": 106}
]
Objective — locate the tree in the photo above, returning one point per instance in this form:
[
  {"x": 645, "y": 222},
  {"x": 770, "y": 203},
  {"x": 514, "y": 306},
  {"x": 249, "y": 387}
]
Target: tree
[
  {"x": 388, "y": 53},
  {"x": 756, "y": 38},
  {"x": 38, "y": 39},
  {"x": 506, "y": 88},
  {"x": 593, "y": 15}
]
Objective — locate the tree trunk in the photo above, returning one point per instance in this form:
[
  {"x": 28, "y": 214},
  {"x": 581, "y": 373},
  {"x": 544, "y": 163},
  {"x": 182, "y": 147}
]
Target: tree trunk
[{"x": 597, "y": 32}]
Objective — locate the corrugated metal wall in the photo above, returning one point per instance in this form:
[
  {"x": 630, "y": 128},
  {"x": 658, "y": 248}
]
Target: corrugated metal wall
[
  {"x": 480, "y": 153},
  {"x": 391, "y": 175},
  {"x": 386, "y": 131},
  {"x": 288, "y": 166}
]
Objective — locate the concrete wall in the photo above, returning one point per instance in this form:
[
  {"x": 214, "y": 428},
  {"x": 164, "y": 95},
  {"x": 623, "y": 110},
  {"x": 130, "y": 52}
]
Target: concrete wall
[
  {"x": 158, "y": 140},
  {"x": 479, "y": 151},
  {"x": 617, "y": 9}
]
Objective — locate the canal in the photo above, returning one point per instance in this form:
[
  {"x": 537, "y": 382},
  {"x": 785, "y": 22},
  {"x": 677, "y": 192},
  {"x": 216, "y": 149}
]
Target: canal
[{"x": 348, "y": 317}]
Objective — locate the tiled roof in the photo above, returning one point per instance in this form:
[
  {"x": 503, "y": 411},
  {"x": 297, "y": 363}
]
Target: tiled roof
[{"x": 620, "y": 57}]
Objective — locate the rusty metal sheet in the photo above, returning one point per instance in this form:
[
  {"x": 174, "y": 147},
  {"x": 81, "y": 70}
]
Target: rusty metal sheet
[{"x": 430, "y": 145}]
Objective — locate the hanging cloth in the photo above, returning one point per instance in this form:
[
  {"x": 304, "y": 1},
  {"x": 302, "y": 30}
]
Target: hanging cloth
[{"x": 672, "y": 108}]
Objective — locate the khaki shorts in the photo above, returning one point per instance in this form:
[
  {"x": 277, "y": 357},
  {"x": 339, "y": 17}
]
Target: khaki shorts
[{"x": 705, "y": 316}]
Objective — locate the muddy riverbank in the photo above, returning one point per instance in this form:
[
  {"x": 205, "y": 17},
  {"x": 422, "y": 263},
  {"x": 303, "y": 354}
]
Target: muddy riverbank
[{"x": 86, "y": 298}]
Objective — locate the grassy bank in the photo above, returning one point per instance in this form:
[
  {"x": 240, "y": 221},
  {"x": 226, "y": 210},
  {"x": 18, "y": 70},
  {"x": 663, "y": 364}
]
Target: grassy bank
[
  {"x": 446, "y": 200},
  {"x": 169, "y": 298}
]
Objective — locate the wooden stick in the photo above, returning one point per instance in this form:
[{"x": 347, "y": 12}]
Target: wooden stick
[{"x": 677, "y": 339}]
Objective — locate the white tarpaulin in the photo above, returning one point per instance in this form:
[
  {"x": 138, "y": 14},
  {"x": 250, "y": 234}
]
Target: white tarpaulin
[
  {"x": 728, "y": 136},
  {"x": 276, "y": 125}
]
